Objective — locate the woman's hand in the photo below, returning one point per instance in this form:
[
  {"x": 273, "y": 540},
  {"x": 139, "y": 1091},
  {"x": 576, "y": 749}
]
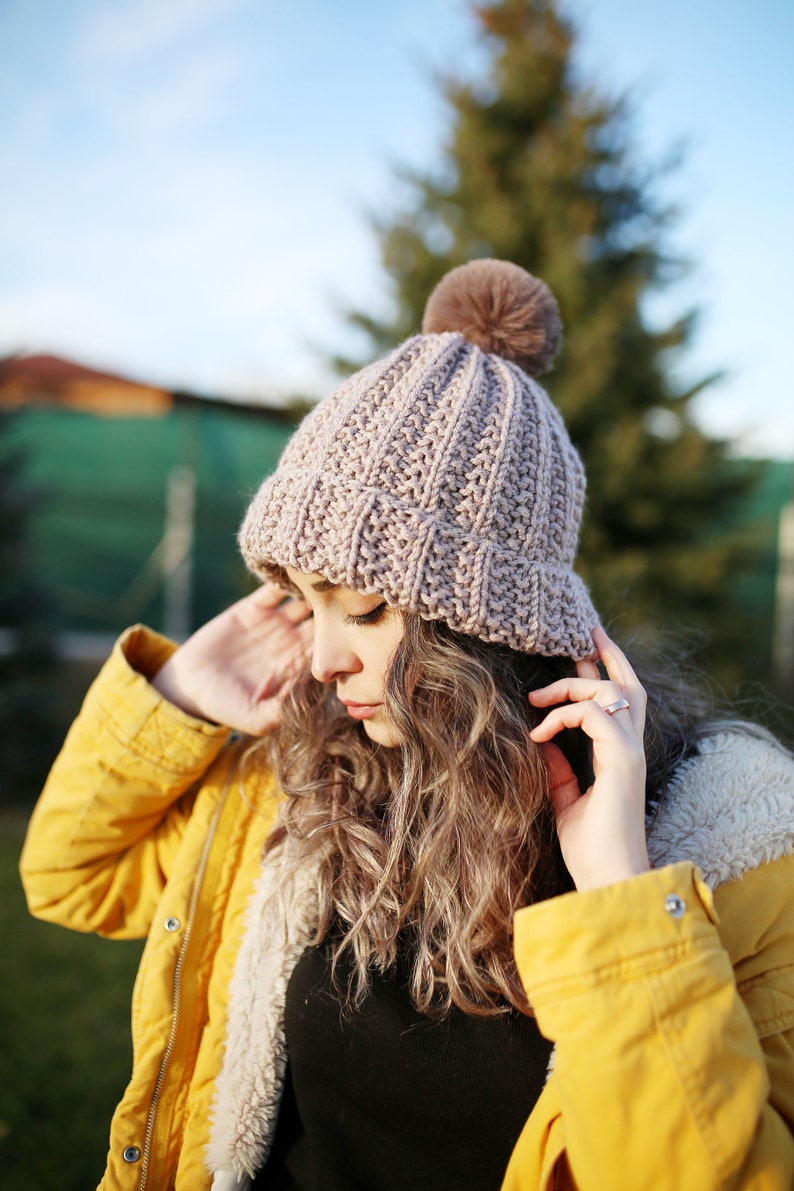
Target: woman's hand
[
  {"x": 601, "y": 831},
  {"x": 237, "y": 669}
]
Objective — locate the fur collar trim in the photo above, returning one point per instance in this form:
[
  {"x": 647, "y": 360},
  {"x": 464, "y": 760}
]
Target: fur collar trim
[
  {"x": 729, "y": 808},
  {"x": 279, "y": 925}
]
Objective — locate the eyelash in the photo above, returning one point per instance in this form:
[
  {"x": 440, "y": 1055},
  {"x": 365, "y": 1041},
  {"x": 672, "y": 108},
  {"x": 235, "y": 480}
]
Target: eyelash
[{"x": 371, "y": 617}]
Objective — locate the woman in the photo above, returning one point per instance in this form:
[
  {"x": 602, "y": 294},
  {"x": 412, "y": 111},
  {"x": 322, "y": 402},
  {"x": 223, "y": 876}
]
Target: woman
[{"x": 366, "y": 929}]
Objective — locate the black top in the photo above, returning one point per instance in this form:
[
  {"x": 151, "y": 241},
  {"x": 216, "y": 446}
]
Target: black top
[{"x": 387, "y": 1099}]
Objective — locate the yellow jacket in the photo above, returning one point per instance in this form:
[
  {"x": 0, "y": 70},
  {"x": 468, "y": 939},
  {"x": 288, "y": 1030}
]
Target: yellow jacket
[{"x": 672, "y": 1008}]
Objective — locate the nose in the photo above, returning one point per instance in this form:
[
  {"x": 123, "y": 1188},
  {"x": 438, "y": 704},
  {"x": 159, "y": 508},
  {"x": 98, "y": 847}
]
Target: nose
[{"x": 331, "y": 657}]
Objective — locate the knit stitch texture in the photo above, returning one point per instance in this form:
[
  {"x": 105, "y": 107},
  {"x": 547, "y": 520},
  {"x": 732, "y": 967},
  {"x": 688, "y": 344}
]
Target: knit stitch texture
[{"x": 443, "y": 479}]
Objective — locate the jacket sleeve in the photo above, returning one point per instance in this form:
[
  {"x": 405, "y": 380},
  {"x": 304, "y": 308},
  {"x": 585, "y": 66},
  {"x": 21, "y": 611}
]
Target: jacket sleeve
[
  {"x": 673, "y": 1069},
  {"x": 103, "y": 835}
]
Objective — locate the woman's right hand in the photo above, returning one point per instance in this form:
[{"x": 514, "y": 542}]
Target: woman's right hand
[
  {"x": 602, "y": 829},
  {"x": 237, "y": 668}
]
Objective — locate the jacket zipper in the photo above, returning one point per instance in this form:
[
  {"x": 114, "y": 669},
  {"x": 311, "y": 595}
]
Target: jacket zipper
[{"x": 177, "y": 986}]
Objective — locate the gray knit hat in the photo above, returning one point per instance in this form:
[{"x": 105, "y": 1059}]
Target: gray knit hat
[{"x": 441, "y": 477}]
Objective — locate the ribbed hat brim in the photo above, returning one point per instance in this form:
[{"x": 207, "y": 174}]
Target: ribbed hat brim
[{"x": 365, "y": 539}]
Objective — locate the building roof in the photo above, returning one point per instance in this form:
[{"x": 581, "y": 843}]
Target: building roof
[{"x": 48, "y": 381}]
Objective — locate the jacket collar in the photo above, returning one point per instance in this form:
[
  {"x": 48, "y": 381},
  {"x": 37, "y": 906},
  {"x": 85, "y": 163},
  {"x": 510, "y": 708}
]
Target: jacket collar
[{"x": 729, "y": 808}]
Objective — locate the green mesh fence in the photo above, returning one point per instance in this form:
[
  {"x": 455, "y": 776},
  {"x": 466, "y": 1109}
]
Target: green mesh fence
[
  {"x": 103, "y": 489},
  {"x": 102, "y": 486}
]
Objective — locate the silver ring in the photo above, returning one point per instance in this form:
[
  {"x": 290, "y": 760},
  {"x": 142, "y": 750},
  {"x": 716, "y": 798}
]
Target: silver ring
[{"x": 620, "y": 705}]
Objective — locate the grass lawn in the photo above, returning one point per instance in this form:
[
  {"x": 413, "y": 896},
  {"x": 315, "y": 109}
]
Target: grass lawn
[{"x": 65, "y": 1048}]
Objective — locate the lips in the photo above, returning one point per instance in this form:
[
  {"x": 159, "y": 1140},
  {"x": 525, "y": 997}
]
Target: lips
[{"x": 360, "y": 711}]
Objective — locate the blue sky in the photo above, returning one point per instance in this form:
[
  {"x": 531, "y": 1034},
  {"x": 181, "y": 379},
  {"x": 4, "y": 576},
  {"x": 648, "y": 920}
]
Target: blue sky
[{"x": 185, "y": 182}]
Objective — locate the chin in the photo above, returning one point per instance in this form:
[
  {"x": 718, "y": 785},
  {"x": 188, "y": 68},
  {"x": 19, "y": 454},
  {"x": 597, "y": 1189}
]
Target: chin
[{"x": 385, "y": 735}]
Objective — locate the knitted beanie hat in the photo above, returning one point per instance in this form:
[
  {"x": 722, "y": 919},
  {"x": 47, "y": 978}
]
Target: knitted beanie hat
[{"x": 441, "y": 477}]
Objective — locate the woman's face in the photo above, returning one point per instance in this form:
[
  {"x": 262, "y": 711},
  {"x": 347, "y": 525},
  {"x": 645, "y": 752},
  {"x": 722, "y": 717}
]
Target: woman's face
[{"x": 355, "y": 637}]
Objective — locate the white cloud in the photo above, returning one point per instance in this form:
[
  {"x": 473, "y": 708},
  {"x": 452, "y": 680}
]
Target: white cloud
[
  {"x": 130, "y": 29},
  {"x": 64, "y": 319},
  {"x": 183, "y": 99},
  {"x": 46, "y": 313}
]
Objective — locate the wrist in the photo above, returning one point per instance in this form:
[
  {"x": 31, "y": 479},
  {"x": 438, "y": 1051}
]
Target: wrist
[
  {"x": 168, "y": 683},
  {"x": 610, "y": 875},
  {"x": 614, "y": 864}
]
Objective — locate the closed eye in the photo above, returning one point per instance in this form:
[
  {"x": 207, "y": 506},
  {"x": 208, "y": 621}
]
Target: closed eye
[{"x": 371, "y": 617}]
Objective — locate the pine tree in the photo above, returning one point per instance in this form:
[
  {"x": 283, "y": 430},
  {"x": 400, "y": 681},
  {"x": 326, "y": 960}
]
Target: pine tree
[{"x": 540, "y": 168}]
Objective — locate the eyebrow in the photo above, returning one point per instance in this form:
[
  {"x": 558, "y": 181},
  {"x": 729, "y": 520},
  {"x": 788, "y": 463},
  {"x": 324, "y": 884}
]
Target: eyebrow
[{"x": 324, "y": 585}]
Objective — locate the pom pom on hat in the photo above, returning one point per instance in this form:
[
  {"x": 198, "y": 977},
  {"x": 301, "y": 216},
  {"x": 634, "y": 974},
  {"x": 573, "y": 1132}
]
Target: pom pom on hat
[
  {"x": 442, "y": 478},
  {"x": 502, "y": 309}
]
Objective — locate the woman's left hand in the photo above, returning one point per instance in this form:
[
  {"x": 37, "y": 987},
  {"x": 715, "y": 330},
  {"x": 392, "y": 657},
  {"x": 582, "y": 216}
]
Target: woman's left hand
[{"x": 601, "y": 830}]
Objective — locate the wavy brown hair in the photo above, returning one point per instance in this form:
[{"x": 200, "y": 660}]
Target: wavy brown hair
[{"x": 428, "y": 849}]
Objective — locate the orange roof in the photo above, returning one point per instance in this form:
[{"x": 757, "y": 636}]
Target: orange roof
[{"x": 50, "y": 380}]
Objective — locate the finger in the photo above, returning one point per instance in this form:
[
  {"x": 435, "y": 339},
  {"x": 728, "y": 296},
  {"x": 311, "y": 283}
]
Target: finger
[
  {"x": 268, "y": 595},
  {"x": 590, "y": 717},
  {"x": 275, "y": 684},
  {"x": 301, "y": 648},
  {"x": 621, "y": 671},
  {"x": 577, "y": 689},
  {"x": 257, "y": 610},
  {"x": 295, "y": 610},
  {"x": 587, "y": 668},
  {"x": 301, "y": 644},
  {"x": 253, "y": 609},
  {"x": 618, "y": 666},
  {"x": 559, "y": 767},
  {"x": 563, "y": 786},
  {"x": 306, "y": 631}
]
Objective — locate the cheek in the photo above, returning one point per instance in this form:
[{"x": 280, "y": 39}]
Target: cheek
[
  {"x": 385, "y": 660},
  {"x": 382, "y": 651}
]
